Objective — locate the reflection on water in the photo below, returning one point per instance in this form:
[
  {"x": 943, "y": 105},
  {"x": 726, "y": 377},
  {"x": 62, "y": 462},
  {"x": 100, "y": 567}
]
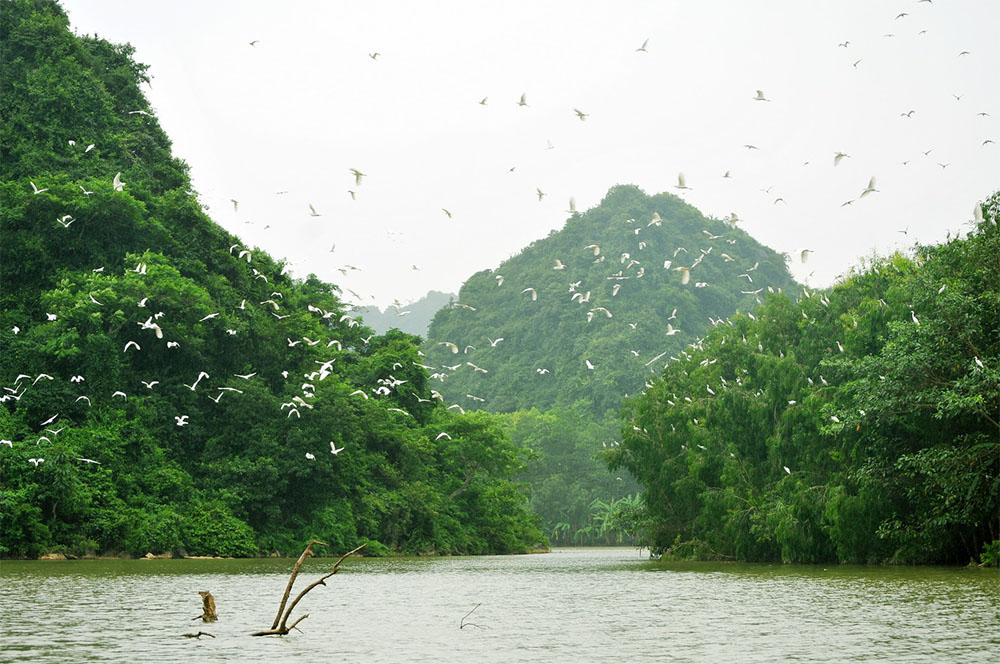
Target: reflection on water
[{"x": 572, "y": 605}]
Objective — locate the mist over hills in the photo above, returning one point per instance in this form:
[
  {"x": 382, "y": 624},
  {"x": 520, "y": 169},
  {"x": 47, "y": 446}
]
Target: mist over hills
[
  {"x": 413, "y": 318},
  {"x": 586, "y": 315}
]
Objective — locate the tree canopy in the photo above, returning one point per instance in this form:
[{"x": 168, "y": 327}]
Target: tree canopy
[{"x": 855, "y": 425}]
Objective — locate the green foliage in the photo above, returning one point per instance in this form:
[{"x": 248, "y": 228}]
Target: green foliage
[
  {"x": 855, "y": 425},
  {"x": 107, "y": 321}
]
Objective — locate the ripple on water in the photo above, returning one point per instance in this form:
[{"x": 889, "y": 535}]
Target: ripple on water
[{"x": 568, "y": 606}]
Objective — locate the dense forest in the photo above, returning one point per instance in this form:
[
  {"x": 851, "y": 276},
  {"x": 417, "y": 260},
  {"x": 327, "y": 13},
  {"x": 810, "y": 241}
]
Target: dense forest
[
  {"x": 167, "y": 389},
  {"x": 855, "y": 425}
]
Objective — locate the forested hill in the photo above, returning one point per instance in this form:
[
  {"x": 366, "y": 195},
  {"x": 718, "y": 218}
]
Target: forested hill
[
  {"x": 585, "y": 316},
  {"x": 413, "y": 318},
  {"x": 857, "y": 425},
  {"x": 168, "y": 389}
]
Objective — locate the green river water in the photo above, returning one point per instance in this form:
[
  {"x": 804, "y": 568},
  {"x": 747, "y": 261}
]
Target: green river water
[{"x": 571, "y": 605}]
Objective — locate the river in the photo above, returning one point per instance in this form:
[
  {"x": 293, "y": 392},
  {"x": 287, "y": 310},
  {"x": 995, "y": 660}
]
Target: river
[{"x": 571, "y": 605}]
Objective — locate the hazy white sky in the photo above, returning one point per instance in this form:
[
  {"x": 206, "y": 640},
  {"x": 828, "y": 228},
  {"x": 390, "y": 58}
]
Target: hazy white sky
[{"x": 304, "y": 105}]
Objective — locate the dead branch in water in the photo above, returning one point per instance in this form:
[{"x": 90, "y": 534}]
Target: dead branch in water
[{"x": 280, "y": 627}]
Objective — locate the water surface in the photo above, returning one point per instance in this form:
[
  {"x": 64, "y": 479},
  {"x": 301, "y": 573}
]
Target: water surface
[{"x": 572, "y": 605}]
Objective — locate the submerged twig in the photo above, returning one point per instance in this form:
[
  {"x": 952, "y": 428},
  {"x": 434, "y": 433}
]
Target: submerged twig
[{"x": 462, "y": 624}]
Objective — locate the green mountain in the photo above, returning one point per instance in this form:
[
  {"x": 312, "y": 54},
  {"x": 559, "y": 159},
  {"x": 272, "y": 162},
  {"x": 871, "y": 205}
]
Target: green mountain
[
  {"x": 413, "y": 318},
  {"x": 585, "y": 316},
  {"x": 166, "y": 388}
]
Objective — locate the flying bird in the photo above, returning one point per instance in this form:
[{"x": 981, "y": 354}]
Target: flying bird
[
  {"x": 117, "y": 183},
  {"x": 643, "y": 47},
  {"x": 760, "y": 96},
  {"x": 580, "y": 114},
  {"x": 357, "y": 176},
  {"x": 870, "y": 188},
  {"x": 36, "y": 189}
]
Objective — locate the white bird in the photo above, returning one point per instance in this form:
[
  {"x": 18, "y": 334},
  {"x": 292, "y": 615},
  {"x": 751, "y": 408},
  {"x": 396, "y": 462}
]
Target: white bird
[
  {"x": 311, "y": 457},
  {"x": 870, "y": 188},
  {"x": 36, "y": 190},
  {"x": 681, "y": 182},
  {"x": 524, "y": 99},
  {"x": 671, "y": 330},
  {"x": 534, "y": 293},
  {"x": 643, "y": 47},
  {"x": 760, "y": 96},
  {"x": 192, "y": 387},
  {"x": 979, "y": 363},
  {"x": 804, "y": 254},
  {"x": 88, "y": 461},
  {"x": 117, "y": 183},
  {"x": 540, "y": 193},
  {"x": 494, "y": 342},
  {"x": 580, "y": 114},
  {"x": 334, "y": 449},
  {"x": 589, "y": 364},
  {"x": 131, "y": 343},
  {"x": 559, "y": 265},
  {"x": 685, "y": 274},
  {"x": 914, "y": 317},
  {"x": 121, "y": 394},
  {"x": 65, "y": 220},
  {"x": 208, "y": 316},
  {"x": 150, "y": 384},
  {"x": 834, "y": 418},
  {"x": 837, "y": 156},
  {"x": 357, "y": 176},
  {"x": 361, "y": 392},
  {"x": 36, "y": 461},
  {"x": 787, "y": 470}
]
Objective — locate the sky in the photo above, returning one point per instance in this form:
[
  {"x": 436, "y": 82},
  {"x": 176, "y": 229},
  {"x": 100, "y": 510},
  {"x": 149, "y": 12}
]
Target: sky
[{"x": 392, "y": 89}]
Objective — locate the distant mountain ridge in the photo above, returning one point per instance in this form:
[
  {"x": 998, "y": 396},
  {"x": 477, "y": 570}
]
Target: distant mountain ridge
[
  {"x": 583, "y": 316},
  {"x": 412, "y": 318}
]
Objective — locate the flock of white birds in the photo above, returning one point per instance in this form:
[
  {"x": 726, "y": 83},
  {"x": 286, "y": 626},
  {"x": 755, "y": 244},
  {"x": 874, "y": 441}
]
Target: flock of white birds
[
  {"x": 460, "y": 117},
  {"x": 357, "y": 182}
]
